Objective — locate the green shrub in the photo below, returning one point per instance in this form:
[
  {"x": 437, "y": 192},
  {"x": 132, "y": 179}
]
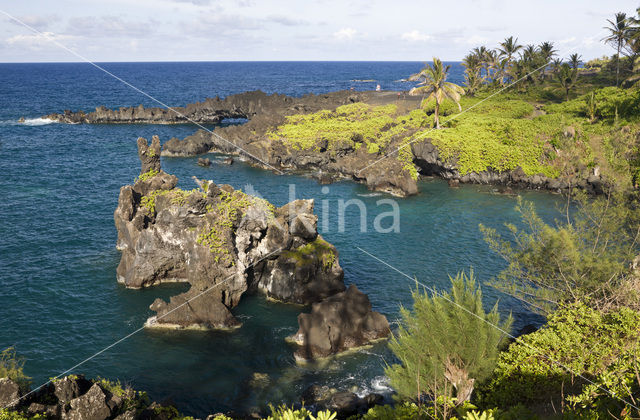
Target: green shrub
[
  {"x": 146, "y": 176},
  {"x": 586, "y": 257},
  {"x": 11, "y": 367},
  {"x": 549, "y": 366},
  {"x": 16, "y": 415},
  {"x": 446, "y": 343}
]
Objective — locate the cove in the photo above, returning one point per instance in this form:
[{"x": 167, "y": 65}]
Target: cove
[{"x": 60, "y": 303}]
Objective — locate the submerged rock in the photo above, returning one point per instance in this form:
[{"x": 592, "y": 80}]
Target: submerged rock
[
  {"x": 204, "y": 162},
  {"x": 341, "y": 322},
  {"x": 222, "y": 242}
]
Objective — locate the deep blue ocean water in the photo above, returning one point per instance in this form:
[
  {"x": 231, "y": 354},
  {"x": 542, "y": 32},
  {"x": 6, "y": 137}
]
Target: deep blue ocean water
[{"x": 59, "y": 184}]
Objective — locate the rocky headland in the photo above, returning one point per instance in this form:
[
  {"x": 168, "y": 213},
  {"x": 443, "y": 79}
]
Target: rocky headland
[
  {"x": 223, "y": 243},
  {"x": 393, "y": 167}
]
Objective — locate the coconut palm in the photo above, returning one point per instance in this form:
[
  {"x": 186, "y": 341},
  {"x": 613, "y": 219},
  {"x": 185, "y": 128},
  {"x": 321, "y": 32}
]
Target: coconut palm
[
  {"x": 547, "y": 52},
  {"x": 472, "y": 81},
  {"x": 481, "y": 53},
  {"x": 567, "y": 77},
  {"x": 433, "y": 84},
  {"x": 619, "y": 31},
  {"x": 575, "y": 60},
  {"x": 493, "y": 63},
  {"x": 509, "y": 47}
]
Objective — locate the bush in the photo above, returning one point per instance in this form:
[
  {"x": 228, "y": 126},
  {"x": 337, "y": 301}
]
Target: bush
[
  {"x": 445, "y": 343},
  {"x": 585, "y": 257},
  {"x": 11, "y": 367},
  {"x": 546, "y": 369}
]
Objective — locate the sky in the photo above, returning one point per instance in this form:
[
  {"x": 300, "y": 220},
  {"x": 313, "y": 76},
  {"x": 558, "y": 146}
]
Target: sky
[{"x": 278, "y": 30}]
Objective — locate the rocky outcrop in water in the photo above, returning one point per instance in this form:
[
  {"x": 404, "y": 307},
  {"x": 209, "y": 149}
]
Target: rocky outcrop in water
[
  {"x": 342, "y": 322},
  {"x": 222, "y": 242},
  {"x": 210, "y": 111}
]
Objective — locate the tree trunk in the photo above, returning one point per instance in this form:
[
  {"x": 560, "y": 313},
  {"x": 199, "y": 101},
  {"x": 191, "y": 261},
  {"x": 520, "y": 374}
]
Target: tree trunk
[
  {"x": 436, "y": 114},
  {"x": 618, "y": 64},
  {"x": 460, "y": 380}
]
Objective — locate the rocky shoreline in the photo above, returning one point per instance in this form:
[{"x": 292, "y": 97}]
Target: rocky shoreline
[
  {"x": 251, "y": 141},
  {"x": 223, "y": 243},
  {"x": 74, "y": 397}
]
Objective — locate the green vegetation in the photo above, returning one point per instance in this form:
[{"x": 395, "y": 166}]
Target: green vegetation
[
  {"x": 132, "y": 399},
  {"x": 318, "y": 250},
  {"x": 11, "y": 367},
  {"x": 146, "y": 176},
  {"x": 6, "y": 414},
  {"x": 446, "y": 344},
  {"x": 586, "y": 257},
  {"x": 349, "y": 126},
  {"x": 583, "y": 360},
  {"x": 222, "y": 218}
]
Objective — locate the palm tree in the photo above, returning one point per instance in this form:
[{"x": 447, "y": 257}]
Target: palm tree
[
  {"x": 472, "y": 73},
  {"x": 547, "y": 52},
  {"x": 575, "y": 60},
  {"x": 492, "y": 62},
  {"x": 433, "y": 84},
  {"x": 481, "y": 53},
  {"x": 472, "y": 81},
  {"x": 567, "y": 77},
  {"x": 508, "y": 49},
  {"x": 619, "y": 32}
]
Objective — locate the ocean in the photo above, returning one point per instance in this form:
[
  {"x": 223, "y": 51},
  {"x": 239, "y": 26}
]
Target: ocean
[{"x": 59, "y": 184}]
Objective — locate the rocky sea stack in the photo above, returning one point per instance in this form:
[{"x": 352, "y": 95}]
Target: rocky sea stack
[{"x": 224, "y": 243}]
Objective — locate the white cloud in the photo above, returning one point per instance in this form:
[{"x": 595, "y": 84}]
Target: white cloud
[
  {"x": 38, "y": 41},
  {"x": 194, "y": 2},
  {"x": 39, "y": 22},
  {"x": 567, "y": 40},
  {"x": 475, "y": 40},
  {"x": 415, "y": 36},
  {"x": 108, "y": 26},
  {"x": 345, "y": 34}
]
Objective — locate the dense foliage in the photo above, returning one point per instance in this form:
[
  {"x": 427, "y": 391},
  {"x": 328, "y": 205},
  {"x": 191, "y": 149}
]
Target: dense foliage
[
  {"x": 446, "y": 343},
  {"x": 586, "y": 257},
  {"x": 583, "y": 360}
]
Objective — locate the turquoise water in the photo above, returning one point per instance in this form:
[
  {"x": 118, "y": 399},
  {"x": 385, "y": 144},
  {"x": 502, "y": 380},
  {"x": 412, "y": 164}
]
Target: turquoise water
[{"x": 59, "y": 184}]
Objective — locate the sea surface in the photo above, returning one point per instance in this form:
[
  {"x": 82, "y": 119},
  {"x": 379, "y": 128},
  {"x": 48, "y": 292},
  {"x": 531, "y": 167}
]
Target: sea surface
[{"x": 59, "y": 184}]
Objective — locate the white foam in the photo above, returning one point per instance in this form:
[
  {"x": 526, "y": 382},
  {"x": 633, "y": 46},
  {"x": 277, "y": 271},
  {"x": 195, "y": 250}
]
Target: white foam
[
  {"x": 370, "y": 195},
  {"x": 37, "y": 121}
]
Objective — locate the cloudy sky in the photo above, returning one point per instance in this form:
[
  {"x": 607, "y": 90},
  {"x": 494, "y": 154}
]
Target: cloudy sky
[{"x": 213, "y": 30}]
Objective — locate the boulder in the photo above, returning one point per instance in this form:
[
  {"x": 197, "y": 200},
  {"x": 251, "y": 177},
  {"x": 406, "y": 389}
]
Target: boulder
[
  {"x": 338, "y": 323},
  {"x": 70, "y": 387},
  {"x": 204, "y": 162},
  {"x": 10, "y": 393},
  {"x": 93, "y": 405}
]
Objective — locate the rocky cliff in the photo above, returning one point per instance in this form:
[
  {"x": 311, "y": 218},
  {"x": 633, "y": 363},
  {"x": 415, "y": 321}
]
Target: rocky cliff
[{"x": 222, "y": 242}]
